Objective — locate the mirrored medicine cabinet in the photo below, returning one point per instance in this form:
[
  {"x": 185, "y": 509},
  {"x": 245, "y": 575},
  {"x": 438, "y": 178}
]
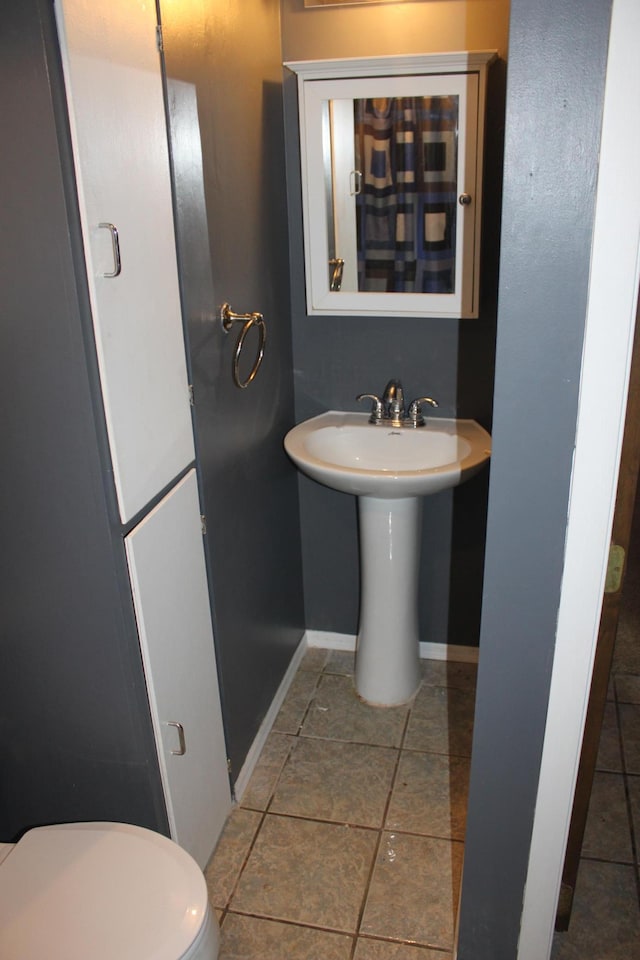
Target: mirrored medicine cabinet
[{"x": 391, "y": 167}]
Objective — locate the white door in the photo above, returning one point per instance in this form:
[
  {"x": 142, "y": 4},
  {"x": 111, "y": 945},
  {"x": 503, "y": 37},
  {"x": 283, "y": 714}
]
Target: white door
[
  {"x": 116, "y": 109},
  {"x": 167, "y": 570}
]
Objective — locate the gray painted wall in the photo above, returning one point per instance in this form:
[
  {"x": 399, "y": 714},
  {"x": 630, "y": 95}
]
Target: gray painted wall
[
  {"x": 554, "y": 103},
  {"x": 225, "y": 108},
  {"x": 336, "y": 358},
  {"x": 76, "y": 734}
]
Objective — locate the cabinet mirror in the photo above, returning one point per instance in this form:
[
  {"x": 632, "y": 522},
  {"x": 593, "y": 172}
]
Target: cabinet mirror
[{"x": 391, "y": 169}]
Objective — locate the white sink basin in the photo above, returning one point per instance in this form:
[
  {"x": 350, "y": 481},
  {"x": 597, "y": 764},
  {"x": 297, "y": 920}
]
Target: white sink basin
[
  {"x": 389, "y": 470},
  {"x": 346, "y": 452}
]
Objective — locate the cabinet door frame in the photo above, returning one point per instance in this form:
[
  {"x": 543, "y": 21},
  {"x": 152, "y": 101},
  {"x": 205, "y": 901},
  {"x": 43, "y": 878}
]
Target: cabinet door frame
[{"x": 321, "y": 81}]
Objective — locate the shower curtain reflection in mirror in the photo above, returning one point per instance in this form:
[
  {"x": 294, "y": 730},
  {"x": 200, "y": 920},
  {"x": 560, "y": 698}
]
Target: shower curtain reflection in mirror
[{"x": 406, "y": 152}]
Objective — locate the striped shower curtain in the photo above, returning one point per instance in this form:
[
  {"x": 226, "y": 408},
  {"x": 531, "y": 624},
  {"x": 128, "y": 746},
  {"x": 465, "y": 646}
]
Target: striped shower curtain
[{"x": 406, "y": 150}]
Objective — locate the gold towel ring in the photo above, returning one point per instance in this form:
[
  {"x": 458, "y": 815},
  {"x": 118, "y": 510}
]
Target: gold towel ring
[
  {"x": 254, "y": 321},
  {"x": 248, "y": 320}
]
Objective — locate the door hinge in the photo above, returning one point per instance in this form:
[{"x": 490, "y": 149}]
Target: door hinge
[
  {"x": 203, "y": 524},
  {"x": 229, "y": 765},
  {"x": 615, "y": 568},
  {"x": 159, "y": 41},
  {"x": 192, "y": 399}
]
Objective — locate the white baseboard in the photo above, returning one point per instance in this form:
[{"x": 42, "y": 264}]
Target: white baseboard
[
  {"x": 448, "y": 651},
  {"x": 329, "y": 641},
  {"x": 240, "y": 784},
  {"x": 428, "y": 651}
]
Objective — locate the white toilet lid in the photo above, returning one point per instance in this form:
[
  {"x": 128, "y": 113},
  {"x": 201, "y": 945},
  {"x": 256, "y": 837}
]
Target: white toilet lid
[{"x": 99, "y": 891}]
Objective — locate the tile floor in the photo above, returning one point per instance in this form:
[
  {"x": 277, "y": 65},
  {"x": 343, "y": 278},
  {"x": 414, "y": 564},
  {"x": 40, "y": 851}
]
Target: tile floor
[
  {"x": 605, "y": 921},
  {"x": 347, "y": 844}
]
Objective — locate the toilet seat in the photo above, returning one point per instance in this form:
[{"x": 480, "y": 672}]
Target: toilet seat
[{"x": 105, "y": 891}]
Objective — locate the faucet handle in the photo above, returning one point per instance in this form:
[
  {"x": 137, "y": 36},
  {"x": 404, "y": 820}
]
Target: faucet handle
[
  {"x": 376, "y": 409},
  {"x": 415, "y": 416}
]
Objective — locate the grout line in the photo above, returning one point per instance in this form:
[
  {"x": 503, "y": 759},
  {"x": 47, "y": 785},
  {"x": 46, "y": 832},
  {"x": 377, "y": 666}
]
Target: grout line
[
  {"x": 367, "y": 886},
  {"x": 293, "y": 923},
  {"x": 267, "y": 806},
  {"x": 438, "y": 753},
  {"x": 615, "y": 863},
  {"x": 381, "y": 831},
  {"x": 245, "y": 860},
  {"x": 357, "y": 825},
  {"x": 337, "y": 931},
  {"x": 331, "y": 823},
  {"x": 354, "y": 743},
  {"x": 308, "y": 707},
  {"x": 378, "y": 938}
]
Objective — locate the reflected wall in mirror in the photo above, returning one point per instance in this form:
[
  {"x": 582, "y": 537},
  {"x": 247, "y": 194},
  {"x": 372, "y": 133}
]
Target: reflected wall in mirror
[{"x": 391, "y": 166}]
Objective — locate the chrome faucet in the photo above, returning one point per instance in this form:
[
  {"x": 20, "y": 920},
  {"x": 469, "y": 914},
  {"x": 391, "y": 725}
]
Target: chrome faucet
[
  {"x": 393, "y": 403},
  {"x": 389, "y": 409}
]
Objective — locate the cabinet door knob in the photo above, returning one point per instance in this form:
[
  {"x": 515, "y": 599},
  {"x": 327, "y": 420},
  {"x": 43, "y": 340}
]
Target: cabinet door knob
[{"x": 464, "y": 199}]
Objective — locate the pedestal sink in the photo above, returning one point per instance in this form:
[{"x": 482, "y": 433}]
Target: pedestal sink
[{"x": 389, "y": 470}]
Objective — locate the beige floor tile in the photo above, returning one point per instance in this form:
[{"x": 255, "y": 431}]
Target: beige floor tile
[
  {"x": 383, "y": 950},
  {"x": 430, "y": 795},
  {"x": 441, "y": 721},
  {"x": 307, "y": 872},
  {"x": 298, "y": 875},
  {"x": 328, "y": 780},
  {"x": 314, "y": 659},
  {"x": 341, "y": 662},
  {"x": 626, "y": 657},
  {"x": 296, "y": 702},
  {"x": 605, "y": 921},
  {"x": 606, "y": 835},
  {"x": 609, "y": 755},
  {"x": 250, "y": 938},
  {"x": 413, "y": 894},
  {"x": 449, "y": 673},
  {"x": 627, "y": 688},
  {"x": 230, "y": 854},
  {"x": 337, "y": 714},
  {"x": 630, "y": 727},
  {"x": 267, "y": 770}
]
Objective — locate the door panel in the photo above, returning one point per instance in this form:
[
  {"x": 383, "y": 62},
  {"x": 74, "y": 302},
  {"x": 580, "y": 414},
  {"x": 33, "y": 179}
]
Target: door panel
[
  {"x": 118, "y": 128},
  {"x": 620, "y": 538},
  {"x": 166, "y": 563}
]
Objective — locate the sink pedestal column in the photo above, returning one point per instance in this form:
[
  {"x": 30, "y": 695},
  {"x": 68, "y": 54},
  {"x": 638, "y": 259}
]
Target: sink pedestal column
[{"x": 387, "y": 653}]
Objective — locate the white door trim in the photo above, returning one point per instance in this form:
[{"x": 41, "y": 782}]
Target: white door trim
[{"x": 606, "y": 361}]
